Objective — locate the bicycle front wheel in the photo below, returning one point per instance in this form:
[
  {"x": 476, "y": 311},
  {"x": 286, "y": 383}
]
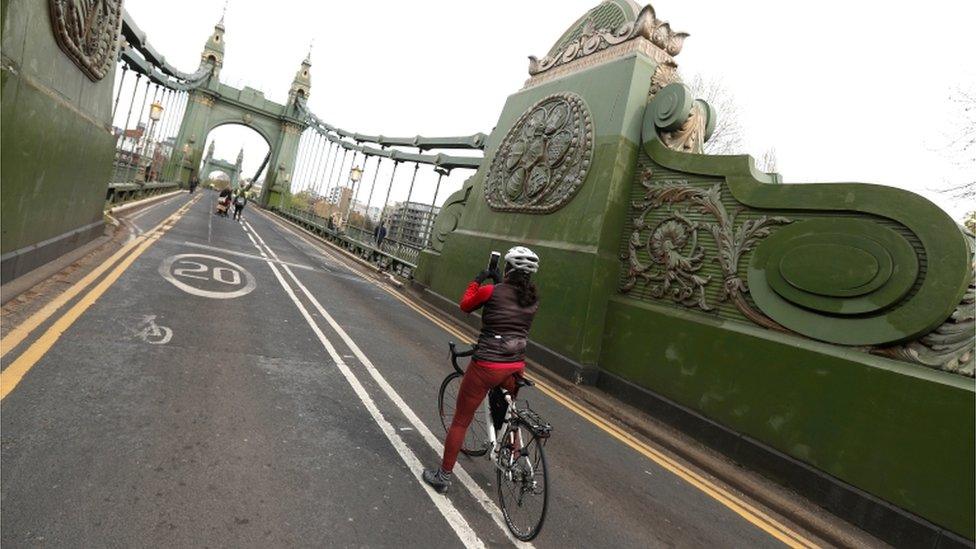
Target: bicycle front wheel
[
  {"x": 476, "y": 437},
  {"x": 523, "y": 487}
]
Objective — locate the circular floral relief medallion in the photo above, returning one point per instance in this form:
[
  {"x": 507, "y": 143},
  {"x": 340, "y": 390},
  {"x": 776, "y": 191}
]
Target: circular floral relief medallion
[{"x": 543, "y": 160}]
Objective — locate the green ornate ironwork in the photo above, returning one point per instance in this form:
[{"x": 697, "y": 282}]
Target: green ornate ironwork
[{"x": 543, "y": 160}]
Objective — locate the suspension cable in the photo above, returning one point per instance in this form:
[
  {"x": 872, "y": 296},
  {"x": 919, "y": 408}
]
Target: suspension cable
[
  {"x": 328, "y": 159},
  {"x": 429, "y": 228},
  {"x": 379, "y": 161},
  {"x": 115, "y": 106},
  {"x": 396, "y": 164},
  {"x": 406, "y": 205}
]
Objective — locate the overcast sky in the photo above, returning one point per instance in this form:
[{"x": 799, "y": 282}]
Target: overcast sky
[{"x": 844, "y": 90}]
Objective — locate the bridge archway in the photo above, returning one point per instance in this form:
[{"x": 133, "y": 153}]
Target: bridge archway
[
  {"x": 252, "y": 150},
  {"x": 213, "y": 104},
  {"x": 217, "y": 177}
]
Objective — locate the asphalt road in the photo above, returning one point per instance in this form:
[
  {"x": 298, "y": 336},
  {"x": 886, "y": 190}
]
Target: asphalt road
[{"x": 295, "y": 412}]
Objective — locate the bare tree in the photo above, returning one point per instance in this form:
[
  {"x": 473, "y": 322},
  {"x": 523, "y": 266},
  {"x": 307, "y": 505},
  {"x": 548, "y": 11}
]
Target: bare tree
[
  {"x": 961, "y": 145},
  {"x": 767, "y": 162},
  {"x": 727, "y": 136},
  {"x": 960, "y": 149}
]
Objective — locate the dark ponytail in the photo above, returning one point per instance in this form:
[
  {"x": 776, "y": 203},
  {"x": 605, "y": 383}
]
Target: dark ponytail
[{"x": 525, "y": 290}]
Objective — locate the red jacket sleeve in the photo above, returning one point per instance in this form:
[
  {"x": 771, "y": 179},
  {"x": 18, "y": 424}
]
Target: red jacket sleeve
[{"x": 475, "y": 296}]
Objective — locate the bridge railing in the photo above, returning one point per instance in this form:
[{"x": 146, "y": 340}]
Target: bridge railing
[
  {"x": 119, "y": 193},
  {"x": 389, "y": 255}
]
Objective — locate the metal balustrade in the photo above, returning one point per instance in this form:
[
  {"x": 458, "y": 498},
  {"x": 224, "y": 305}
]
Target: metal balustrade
[{"x": 393, "y": 256}]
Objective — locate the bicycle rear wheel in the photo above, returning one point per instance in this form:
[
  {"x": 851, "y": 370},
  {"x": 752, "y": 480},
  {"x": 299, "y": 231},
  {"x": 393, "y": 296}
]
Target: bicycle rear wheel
[
  {"x": 523, "y": 488},
  {"x": 476, "y": 438}
]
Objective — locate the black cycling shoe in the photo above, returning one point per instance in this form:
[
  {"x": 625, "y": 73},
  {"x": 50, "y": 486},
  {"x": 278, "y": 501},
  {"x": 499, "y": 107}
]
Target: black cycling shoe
[{"x": 437, "y": 479}]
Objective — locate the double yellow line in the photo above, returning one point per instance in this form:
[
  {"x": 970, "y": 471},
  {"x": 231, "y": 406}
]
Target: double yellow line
[
  {"x": 744, "y": 509},
  {"x": 12, "y": 375}
]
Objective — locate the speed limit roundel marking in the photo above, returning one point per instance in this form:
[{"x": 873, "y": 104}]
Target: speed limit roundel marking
[{"x": 207, "y": 276}]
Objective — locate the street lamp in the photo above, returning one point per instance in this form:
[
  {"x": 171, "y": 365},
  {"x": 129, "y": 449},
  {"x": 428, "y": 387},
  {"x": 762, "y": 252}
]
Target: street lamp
[
  {"x": 155, "y": 114},
  {"x": 155, "y": 111},
  {"x": 355, "y": 174}
]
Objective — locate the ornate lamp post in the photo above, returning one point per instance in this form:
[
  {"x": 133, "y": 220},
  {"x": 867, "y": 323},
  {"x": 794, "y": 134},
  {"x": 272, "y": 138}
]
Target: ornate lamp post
[
  {"x": 355, "y": 174},
  {"x": 184, "y": 153},
  {"x": 155, "y": 114}
]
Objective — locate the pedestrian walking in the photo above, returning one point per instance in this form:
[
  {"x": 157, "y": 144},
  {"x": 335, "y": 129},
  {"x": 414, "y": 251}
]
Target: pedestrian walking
[
  {"x": 239, "y": 204},
  {"x": 379, "y": 234}
]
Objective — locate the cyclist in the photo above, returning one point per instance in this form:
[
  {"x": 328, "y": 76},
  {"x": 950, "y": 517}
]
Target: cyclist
[{"x": 499, "y": 355}]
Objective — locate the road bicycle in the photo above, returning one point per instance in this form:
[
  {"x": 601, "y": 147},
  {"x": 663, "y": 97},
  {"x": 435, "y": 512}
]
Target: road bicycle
[{"x": 518, "y": 454}]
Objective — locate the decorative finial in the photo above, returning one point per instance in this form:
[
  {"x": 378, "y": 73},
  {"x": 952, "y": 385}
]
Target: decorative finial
[
  {"x": 311, "y": 44},
  {"x": 223, "y": 12}
]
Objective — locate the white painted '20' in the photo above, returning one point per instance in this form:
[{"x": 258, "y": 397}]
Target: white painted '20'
[{"x": 189, "y": 267}]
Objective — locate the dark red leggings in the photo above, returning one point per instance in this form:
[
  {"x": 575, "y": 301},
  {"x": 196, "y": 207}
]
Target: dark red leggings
[{"x": 475, "y": 384}]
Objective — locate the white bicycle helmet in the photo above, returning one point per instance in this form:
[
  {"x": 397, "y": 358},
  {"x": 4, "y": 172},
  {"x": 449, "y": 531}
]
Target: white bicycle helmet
[{"x": 521, "y": 258}]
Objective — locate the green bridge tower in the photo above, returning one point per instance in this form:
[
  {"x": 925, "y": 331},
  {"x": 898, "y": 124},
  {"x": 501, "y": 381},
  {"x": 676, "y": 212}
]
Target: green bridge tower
[{"x": 215, "y": 104}]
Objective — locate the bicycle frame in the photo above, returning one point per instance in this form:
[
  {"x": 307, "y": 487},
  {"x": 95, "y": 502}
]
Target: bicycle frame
[{"x": 495, "y": 444}]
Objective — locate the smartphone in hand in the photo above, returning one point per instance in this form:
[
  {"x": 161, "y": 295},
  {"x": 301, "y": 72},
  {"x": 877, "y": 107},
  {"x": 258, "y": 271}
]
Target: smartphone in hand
[{"x": 493, "y": 261}]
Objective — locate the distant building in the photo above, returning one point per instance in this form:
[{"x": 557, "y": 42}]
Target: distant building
[
  {"x": 340, "y": 197},
  {"x": 131, "y": 138},
  {"x": 411, "y": 222},
  {"x": 372, "y": 213}
]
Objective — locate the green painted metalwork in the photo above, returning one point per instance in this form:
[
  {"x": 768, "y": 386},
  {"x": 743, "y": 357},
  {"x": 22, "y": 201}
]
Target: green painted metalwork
[
  {"x": 940, "y": 239},
  {"x": 901, "y": 432},
  {"x": 763, "y": 306},
  {"x": 838, "y": 266},
  {"x": 53, "y": 191}
]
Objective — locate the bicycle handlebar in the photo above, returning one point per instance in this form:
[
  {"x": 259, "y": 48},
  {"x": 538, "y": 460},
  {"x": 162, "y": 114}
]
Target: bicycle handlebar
[{"x": 455, "y": 355}]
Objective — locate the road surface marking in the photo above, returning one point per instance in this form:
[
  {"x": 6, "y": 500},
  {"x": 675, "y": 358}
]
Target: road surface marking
[
  {"x": 245, "y": 254},
  {"x": 153, "y": 333},
  {"x": 18, "y": 334},
  {"x": 239, "y": 280},
  {"x": 460, "y": 526},
  {"x": 747, "y": 511},
  {"x": 480, "y": 496},
  {"x": 10, "y": 377},
  {"x": 212, "y": 212},
  {"x": 744, "y": 509}
]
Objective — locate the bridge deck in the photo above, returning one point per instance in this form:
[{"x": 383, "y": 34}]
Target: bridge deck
[{"x": 166, "y": 417}]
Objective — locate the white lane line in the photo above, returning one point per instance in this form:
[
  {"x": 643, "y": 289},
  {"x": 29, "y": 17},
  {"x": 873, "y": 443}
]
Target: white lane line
[
  {"x": 213, "y": 207},
  {"x": 460, "y": 526},
  {"x": 245, "y": 254},
  {"x": 482, "y": 498}
]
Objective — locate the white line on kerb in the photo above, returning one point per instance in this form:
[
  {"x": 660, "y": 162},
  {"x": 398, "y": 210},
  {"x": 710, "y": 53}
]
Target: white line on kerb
[
  {"x": 152, "y": 207},
  {"x": 486, "y": 503},
  {"x": 460, "y": 526}
]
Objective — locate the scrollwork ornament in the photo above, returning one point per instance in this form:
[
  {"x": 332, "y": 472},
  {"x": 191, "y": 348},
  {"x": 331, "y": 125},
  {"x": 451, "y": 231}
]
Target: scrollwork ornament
[
  {"x": 676, "y": 257},
  {"x": 544, "y": 158},
  {"x": 592, "y": 40},
  {"x": 88, "y": 33},
  {"x": 951, "y": 347}
]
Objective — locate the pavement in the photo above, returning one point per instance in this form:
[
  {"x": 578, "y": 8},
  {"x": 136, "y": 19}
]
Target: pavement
[{"x": 230, "y": 384}]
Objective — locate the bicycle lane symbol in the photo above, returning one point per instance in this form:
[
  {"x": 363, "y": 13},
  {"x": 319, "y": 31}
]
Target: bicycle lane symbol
[
  {"x": 153, "y": 333},
  {"x": 207, "y": 276}
]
